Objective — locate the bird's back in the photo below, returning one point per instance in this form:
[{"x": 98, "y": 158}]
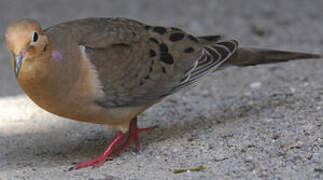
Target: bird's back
[{"x": 138, "y": 63}]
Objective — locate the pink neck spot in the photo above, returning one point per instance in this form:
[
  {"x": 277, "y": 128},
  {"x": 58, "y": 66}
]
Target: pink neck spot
[
  {"x": 57, "y": 56},
  {"x": 24, "y": 52}
]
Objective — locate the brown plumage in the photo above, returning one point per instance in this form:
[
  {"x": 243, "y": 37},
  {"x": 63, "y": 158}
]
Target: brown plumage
[{"x": 109, "y": 70}]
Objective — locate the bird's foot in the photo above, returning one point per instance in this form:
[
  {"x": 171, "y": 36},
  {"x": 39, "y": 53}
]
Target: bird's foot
[
  {"x": 133, "y": 137},
  {"x": 95, "y": 162},
  {"x": 130, "y": 137},
  {"x": 99, "y": 161}
]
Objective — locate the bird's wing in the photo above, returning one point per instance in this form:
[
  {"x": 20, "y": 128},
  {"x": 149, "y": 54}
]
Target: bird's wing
[{"x": 140, "y": 64}]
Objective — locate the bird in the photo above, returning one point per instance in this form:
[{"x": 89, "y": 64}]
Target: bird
[{"x": 109, "y": 70}]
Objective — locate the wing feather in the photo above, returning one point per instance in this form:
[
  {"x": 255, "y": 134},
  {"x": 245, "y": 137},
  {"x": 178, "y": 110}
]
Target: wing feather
[{"x": 212, "y": 56}]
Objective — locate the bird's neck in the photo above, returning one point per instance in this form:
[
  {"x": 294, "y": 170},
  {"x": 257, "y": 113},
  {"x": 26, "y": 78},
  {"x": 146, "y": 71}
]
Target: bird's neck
[
  {"x": 61, "y": 88},
  {"x": 45, "y": 82}
]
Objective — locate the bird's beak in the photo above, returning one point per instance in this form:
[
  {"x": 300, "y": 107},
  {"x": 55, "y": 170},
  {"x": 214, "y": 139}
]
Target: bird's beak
[{"x": 17, "y": 63}]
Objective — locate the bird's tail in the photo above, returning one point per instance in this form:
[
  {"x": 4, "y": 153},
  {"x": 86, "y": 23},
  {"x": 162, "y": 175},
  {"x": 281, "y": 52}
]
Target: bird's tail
[{"x": 255, "y": 56}]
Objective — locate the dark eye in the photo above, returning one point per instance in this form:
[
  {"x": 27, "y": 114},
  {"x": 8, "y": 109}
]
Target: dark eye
[{"x": 35, "y": 37}]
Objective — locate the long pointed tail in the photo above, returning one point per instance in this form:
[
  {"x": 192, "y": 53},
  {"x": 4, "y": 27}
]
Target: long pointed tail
[{"x": 255, "y": 56}]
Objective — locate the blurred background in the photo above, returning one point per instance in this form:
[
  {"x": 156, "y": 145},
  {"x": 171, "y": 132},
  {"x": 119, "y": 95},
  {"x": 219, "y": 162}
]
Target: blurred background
[
  {"x": 250, "y": 123},
  {"x": 294, "y": 25}
]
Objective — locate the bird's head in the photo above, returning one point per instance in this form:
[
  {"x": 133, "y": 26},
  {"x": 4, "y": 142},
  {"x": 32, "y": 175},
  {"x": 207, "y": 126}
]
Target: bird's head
[{"x": 26, "y": 42}]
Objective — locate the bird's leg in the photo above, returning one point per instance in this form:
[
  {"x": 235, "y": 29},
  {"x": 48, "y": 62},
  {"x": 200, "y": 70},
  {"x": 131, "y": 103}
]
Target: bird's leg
[
  {"x": 99, "y": 161},
  {"x": 132, "y": 136},
  {"x": 133, "y": 133}
]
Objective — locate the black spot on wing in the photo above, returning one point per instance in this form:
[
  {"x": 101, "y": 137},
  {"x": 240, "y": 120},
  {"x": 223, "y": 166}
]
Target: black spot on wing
[
  {"x": 163, "y": 47},
  {"x": 189, "y": 50},
  {"x": 166, "y": 58},
  {"x": 176, "y": 36},
  {"x": 147, "y": 27},
  {"x": 160, "y": 30}
]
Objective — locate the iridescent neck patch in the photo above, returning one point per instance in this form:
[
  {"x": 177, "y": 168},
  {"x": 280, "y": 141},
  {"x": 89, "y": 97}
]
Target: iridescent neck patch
[{"x": 57, "y": 56}]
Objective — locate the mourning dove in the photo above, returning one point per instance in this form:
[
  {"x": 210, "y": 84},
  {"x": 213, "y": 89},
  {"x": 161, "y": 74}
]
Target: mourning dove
[{"x": 109, "y": 70}]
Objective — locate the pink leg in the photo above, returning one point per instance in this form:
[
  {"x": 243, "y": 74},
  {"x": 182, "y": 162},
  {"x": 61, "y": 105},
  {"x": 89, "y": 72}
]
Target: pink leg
[{"x": 132, "y": 135}]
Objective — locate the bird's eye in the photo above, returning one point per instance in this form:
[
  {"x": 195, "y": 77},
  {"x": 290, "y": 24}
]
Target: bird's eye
[{"x": 34, "y": 37}]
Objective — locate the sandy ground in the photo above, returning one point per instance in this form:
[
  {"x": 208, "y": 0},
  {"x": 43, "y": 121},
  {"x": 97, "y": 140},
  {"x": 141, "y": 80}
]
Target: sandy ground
[{"x": 261, "y": 122}]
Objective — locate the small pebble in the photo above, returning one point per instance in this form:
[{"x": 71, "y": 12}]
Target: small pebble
[{"x": 255, "y": 85}]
